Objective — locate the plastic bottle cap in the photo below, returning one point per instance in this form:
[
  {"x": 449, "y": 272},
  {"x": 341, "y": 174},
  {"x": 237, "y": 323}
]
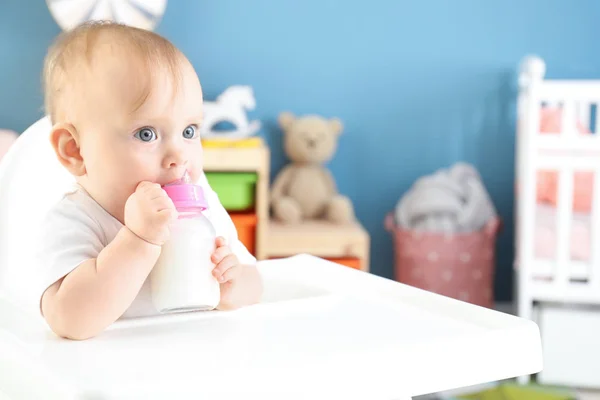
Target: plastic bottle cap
[{"x": 186, "y": 196}]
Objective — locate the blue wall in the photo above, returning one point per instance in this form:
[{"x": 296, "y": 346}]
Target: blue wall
[{"x": 418, "y": 84}]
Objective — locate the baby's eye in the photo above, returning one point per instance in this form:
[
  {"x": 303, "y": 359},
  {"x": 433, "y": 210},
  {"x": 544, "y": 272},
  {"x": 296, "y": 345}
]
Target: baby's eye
[
  {"x": 146, "y": 134},
  {"x": 190, "y": 132}
]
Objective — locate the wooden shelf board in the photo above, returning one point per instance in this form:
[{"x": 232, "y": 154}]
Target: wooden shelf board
[
  {"x": 236, "y": 159},
  {"x": 317, "y": 238}
]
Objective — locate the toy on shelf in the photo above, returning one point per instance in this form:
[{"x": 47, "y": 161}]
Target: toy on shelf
[
  {"x": 309, "y": 215},
  {"x": 305, "y": 188},
  {"x": 230, "y": 106}
]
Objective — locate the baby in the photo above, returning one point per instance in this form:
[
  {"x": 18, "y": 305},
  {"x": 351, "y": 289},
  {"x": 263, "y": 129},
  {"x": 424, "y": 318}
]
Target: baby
[{"x": 125, "y": 106}]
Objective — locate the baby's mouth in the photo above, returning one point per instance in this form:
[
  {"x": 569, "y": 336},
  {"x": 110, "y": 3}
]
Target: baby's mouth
[{"x": 185, "y": 179}]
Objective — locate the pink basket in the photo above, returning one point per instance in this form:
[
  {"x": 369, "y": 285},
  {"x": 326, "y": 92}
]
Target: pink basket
[{"x": 460, "y": 266}]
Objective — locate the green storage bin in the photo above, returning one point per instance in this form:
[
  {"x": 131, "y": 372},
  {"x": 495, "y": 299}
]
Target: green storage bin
[
  {"x": 236, "y": 190},
  {"x": 515, "y": 391}
]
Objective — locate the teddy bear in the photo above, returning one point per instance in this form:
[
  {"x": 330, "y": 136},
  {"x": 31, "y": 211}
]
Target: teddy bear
[{"x": 305, "y": 189}]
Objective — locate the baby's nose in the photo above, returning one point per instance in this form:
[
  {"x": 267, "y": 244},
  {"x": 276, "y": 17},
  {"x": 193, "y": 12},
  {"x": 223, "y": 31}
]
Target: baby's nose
[
  {"x": 178, "y": 163},
  {"x": 175, "y": 160}
]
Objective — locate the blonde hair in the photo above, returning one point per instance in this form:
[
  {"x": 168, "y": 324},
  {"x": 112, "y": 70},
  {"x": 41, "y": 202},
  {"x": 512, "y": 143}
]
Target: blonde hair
[{"x": 77, "y": 48}]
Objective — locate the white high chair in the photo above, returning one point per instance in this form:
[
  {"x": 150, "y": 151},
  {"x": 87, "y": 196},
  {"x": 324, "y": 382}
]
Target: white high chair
[{"x": 322, "y": 331}]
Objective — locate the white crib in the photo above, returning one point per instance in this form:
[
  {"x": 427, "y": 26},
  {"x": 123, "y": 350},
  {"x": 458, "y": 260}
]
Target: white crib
[{"x": 560, "y": 293}]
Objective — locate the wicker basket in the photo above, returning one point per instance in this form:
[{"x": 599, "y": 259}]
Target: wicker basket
[{"x": 460, "y": 265}]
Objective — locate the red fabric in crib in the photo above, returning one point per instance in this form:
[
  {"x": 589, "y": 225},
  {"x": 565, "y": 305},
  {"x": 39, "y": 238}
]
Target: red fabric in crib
[{"x": 547, "y": 181}]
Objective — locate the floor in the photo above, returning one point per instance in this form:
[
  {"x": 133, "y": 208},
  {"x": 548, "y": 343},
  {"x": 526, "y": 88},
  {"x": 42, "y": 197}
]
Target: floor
[
  {"x": 508, "y": 308},
  {"x": 589, "y": 396}
]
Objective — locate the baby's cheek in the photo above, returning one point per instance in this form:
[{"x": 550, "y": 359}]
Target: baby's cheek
[
  {"x": 138, "y": 167},
  {"x": 195, "y": 170}
]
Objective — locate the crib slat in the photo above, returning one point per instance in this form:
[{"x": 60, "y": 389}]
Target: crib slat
[
  {"x": 569, "y": 122},
  {"x": 597, "y": 120},
  {"x": 563, "y": 226},
  {"x": 584, "y": 112},
  {"x": 528, "y": 163}
]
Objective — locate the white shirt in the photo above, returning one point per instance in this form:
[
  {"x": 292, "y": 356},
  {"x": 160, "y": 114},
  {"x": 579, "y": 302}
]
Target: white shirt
[{"x": 77, "y": 228}]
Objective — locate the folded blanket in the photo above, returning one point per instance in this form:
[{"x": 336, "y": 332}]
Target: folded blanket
[{"x": 449, "y": 201}]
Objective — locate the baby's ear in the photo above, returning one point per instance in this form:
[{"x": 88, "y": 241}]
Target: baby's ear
[
  {"x": 65, "y": 141},
  {"x": 286, "y": 119},
  {"x": 336, "y": 125}
]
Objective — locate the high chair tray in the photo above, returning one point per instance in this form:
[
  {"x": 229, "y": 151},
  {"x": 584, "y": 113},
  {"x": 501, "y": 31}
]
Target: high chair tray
[{"x": 322, "y": 331}]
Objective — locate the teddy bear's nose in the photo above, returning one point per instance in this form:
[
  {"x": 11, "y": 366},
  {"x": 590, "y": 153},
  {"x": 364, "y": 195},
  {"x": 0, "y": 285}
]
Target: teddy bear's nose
[{"x": 311, "y": 142}]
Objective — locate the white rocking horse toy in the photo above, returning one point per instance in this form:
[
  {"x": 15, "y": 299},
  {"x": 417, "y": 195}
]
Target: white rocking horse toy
[{"x": 230, "y": 106}]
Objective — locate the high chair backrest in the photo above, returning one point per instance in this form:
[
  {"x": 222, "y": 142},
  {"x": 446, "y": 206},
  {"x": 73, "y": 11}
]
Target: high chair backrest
[{"x": 31, "y": 181}]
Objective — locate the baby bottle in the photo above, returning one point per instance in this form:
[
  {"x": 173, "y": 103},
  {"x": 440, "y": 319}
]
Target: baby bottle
[{"x": 182, "y": 278}]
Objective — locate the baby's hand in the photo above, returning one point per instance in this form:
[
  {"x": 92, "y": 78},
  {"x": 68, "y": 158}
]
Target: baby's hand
[
  {"x": 148, "y": 212},
  {"x": 227, "y": 265},
  {"x": 227, "y": 271}
]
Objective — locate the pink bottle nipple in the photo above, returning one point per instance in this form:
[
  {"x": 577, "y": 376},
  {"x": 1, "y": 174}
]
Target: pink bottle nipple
[{"x": 185, "y": 179}]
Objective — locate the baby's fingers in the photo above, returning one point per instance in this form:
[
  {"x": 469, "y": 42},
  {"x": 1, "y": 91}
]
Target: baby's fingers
[
  {"x": 146, "y": 186},
  {"x": 162, "y": 203},
  {"x": 221, "y": 270},
  {"x": 220, "y": 253},
  {"x": 167, "y": 214},
  {"x": 156, "y": 193},
  {"x": 221, "y": 241},
  {"x": 231, "y": 274}
]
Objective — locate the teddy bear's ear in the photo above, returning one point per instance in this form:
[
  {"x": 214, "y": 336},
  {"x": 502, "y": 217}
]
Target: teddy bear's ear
[
  {"x": 286, "y": 119},
  {"x": 336, "y": 125}
]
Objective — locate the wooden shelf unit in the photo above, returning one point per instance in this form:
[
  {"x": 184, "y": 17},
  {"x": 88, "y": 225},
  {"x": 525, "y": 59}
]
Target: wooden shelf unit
[{"x": 275, "y": 240}]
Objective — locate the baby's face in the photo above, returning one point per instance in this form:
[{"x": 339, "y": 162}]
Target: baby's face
[{"x": 158, "y": 142}]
